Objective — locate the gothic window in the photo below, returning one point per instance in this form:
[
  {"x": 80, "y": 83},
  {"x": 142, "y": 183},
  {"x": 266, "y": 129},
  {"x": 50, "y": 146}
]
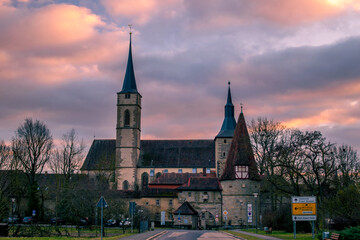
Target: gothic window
[
  {"x": 126, "y": 185},
  {"x": 127, "y": 118},
  {"x": 224, "y": 140},
  {"x": 144, "y": 181},
  {"x": 207, "y": 170},
  {"x": 242, "y": 172},
  {"x": 152, "y": 172}
]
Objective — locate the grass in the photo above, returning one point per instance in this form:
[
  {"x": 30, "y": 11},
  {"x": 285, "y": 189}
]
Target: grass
[
  {"x": 242, "y": 235},
  {"x": 284, "y": 235}
]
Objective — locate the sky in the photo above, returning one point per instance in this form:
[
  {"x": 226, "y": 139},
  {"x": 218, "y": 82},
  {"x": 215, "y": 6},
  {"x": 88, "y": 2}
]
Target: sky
[{"x": 294, "y": 61}]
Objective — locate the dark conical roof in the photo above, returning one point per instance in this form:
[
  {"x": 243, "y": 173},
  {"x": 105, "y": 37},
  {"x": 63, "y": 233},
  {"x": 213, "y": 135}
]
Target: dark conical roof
[
  {"x": 129, "y": 85},
  {"x": 229, "y": 123},
  {"x": 240, "y": 153}
]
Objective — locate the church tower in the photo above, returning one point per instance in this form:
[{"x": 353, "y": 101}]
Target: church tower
[
  {"x": 128, "y": 130},
  {"x": 224, "y": 137},
  {"x": 240, "y": 179}
]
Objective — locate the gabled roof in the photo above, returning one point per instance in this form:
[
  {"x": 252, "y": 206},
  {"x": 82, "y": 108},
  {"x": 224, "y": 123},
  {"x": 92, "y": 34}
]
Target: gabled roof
[
  {"x": 186, "y": 209},
  {"x": 240, "y": 153},
  {"x": 101, "y": 156},
  {"x": 177, "y": 153},
  {"x": 201, "y": 184},
  {"x": 229, "y": 123},
  {"x": 129, "y": 85},
  {"x": 155, "y": 153}
]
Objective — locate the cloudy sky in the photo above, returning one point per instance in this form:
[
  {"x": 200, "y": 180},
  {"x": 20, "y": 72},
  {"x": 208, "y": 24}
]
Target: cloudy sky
[{"x": 294, "y": 61}]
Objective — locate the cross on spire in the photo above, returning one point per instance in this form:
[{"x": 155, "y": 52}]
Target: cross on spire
[
  {"x": 241, "y": 105},
  {"x": 130, "y": 26}
]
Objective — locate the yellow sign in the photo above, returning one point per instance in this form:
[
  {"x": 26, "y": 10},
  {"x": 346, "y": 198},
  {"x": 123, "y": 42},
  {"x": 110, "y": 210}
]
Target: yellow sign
[{"x": 304, "y": 208}]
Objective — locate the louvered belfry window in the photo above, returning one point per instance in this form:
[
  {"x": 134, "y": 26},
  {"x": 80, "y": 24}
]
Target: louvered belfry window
[{"x": 242, "y": 172}]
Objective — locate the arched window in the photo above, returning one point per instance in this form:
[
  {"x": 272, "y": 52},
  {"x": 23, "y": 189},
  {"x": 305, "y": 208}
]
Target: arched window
[
  {"x": 127, "y": 118},
  {"x": 144, "y": 181},
  {"x": 125, "y": 185}
]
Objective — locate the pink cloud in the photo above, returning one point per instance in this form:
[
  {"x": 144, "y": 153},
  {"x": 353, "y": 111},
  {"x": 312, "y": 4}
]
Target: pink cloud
[{"x": 50, "y": 26}]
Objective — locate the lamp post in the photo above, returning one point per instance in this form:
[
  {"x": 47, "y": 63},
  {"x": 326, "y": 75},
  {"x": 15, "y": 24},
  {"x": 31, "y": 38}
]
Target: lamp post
[
  {"x": 12, "y": 214},
  {"x": 255, "y": 210}
]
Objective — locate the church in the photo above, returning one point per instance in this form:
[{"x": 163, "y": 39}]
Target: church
[{"x": 193, "y": 183}]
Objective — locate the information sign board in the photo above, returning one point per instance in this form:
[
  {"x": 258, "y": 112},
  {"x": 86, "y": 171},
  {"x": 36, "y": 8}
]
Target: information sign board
[{"x": 303, "y": 208}]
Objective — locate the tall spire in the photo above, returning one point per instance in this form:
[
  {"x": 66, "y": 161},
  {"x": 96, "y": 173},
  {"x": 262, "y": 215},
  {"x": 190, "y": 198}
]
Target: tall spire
[
  {"x": 129, "y": 85},
  {"x": 240, "y": 153},
  {"x": 229, "y": 123}
]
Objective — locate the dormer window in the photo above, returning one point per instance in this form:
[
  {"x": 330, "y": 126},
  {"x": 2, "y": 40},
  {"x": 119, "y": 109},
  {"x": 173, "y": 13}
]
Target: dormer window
[{"x": 242, "y": 172}]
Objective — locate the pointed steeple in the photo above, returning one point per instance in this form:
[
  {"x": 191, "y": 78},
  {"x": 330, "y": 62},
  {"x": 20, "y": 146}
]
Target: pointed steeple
[
  {"x": 229, "y": 123},
  {"x": 240, "y": 153},
  {"x": 129, "y": 85}
]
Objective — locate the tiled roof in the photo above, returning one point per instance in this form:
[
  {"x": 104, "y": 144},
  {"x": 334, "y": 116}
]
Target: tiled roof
[
  {"x": 201, "y": 184},
  {"x": 186, "y": 209},
  {"x": 177, "y": 153},
  {"x": 101, "y": 156},
  {"x": 155, "y": 153},
  {"x": 240, "y": 153}
]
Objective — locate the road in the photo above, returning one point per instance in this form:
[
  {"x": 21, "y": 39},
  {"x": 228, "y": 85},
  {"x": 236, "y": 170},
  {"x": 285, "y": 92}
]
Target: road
[{"x": 185, "y": 235}]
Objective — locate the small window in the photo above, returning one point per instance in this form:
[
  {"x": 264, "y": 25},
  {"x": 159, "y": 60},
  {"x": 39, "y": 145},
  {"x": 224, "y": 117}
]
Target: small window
[
  {"x": 126, "y": 118},
  {"x": 224, "y": 154},
  {"x": 242, "y": 172},
  {"x": 127, "y": 95},
  {"x": 170, "y": 203},
  {"x": 207, "y": 170},
  {"x": 126, "y": 185},
  {"x": 171, "y": 216},
  {"x": 205, "y": 197},
  {"x": 224, "y": 140},
  {"x": 147, "y": 203},
  {"x": 194, "y": 170},
  {"x": 189, "y": 194},
  {"x": 180, "y": 171},
  {"x": 165, "y": 171},
  {"x": 151, "y": 172},
  {"x": 158, "y": 202}
]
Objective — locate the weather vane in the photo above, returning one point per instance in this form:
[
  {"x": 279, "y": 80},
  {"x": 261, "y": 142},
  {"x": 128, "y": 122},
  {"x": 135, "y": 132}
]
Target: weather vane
[
  {"x": 241, "y": 105},
  {"x": 130, "y": 26}
]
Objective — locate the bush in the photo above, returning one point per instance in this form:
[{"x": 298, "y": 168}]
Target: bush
[{"x": 352, "y": 233}]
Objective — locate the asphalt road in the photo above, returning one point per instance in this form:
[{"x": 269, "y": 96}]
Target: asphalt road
[{"x": 184, "y": 235}]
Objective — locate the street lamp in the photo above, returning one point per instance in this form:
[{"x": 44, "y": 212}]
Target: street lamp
[{"x": 256, "y": 220}]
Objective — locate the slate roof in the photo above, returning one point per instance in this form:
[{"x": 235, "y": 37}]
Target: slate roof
[
  {"x": 164, "y": 153},
  {"x": 240, "y": 153},
  {"x": 201, "y": 184},
  {"x": 178, "y": 178},
  {"x": 186, "y": 209},
  {"x": 101, "y": 156},
  {"x": 177, "y": 153},
  {"x": 229, "y": 123},
  {"x": 129, "y": 85}
]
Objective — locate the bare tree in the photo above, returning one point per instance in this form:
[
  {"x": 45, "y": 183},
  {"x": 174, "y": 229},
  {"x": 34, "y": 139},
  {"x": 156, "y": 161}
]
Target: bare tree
[
  {"x": 31, "y": 146},
  {"x": 5, "y": 154},
  {"x": 348, "y": 165},
  {"x": 67, "y": 159}
]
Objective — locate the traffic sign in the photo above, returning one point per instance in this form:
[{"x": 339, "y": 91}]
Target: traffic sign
[
  {"x": 303, "y": 199},
  {"x": 102, "y": 202},
  {"x": 304, "y": 208},
  {"x": 225, "y": 212},
  {"x": 304, "y": 218}
]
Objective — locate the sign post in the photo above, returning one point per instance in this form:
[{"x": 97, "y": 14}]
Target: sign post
[
  {"x": 303, "y": 209},
  {"x": 102, "y": 204}
]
